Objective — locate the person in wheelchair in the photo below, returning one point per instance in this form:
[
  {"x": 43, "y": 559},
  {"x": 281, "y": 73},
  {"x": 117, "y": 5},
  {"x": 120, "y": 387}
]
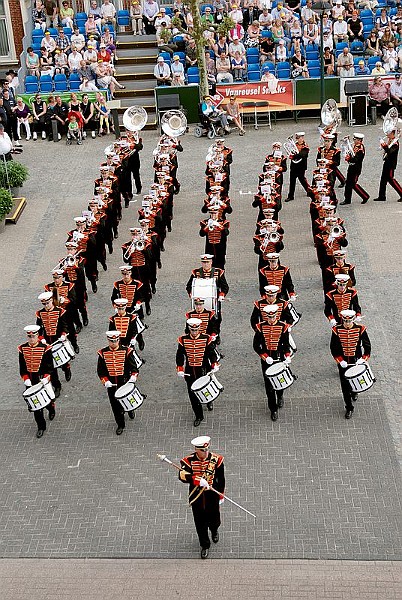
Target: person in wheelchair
[
  {"x": 213, "y": 115},
  {"x": 74, "y": 127}
]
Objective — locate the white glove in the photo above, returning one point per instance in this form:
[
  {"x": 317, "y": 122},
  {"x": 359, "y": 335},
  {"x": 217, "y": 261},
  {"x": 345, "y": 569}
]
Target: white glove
[
  {"x": 108, "y": 385},
  {"x": 180, "y": 374},
  {"x": 360, "y": 361},
  {"x": 27, "y": 383},
  {"x": 358, "y": 318},
  {"x": 204, "y": 483},
  {"x": 45, "y": 380},
  {"x": 289, "y": 329},
  {"x": 214, "y": 336},
  {"x": 62, "y": 299},
  {"x": 332, "y": 322},
  {"x": 222, "y": 500},
  {"x": 292, "y": 297},
  {"x": 137, "y": 307},
  {"x": 221, "y": 298},
  {"x": 215, "y": 369},
  {"x": 287, "y": 360},
  {"x": 133, "y": 341},
  {"x": 269, "y": 360},
  {"x": 343, "y": 364},
  {"x": 133, "y": 378},
  {"x": 63, "y": 338}
]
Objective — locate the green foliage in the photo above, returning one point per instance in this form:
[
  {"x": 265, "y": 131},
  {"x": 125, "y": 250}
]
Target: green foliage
[
  {"x": 6, "y": 203},
  {"x": 226, "y": 25},
  {"x": 17, "y": 174}
]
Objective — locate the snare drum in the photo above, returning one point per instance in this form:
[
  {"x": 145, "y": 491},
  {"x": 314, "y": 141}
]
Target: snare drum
[
  {"x": 292, "y": 345},
  {"x": 360, "y": 378},
  {"x": 138, "y": 360},
  {"x": 140, "y": 325},
  {"x": 38, "y": 396},
  {"x": 207, "y": 388},
  {"x": 206, "y": 289},
  {"x": 280, "y": 376},
  {"x": 129, "y": 396},
  {"x": 294, "y": 314},
  {"x": 62, "y": 353}
]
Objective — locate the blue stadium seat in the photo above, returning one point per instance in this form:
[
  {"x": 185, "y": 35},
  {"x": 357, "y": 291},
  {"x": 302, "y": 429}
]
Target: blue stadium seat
[
  {"x": 314, "y": 72},
  {"x": 356, "y": 47},
  {"x": 123, "y": 18},
  {"x": 60, "y": 83},
  {"x": 254, "y": 76},
  {"x": 74, "y": 82},
  {"x": 45, "y": 83},
  {"x": 31, "y": 84}
]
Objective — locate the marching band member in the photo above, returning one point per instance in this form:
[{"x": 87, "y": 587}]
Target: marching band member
[
  {"x": 279, "y": 160},
  {"x": 201, "y": 470},
  {"x": 133, "y": 159},
  {"x": 390, "y": 158},
  {"x": 53, "y": 326},
  {"x": 340, "y": 298},
  {"x": 355, "y": 163},
  {"x": 214, "y": 200},
  {"x": 265, "y": 200},
  {"x": 195, "y": 357},
  {"x": 36, "y": 365},
  {"x": 349, "y": 345},
  {"x": 209, "y": 324},
  {"x": 128, "y": 324},
  {"x": 277, "y": 274},
  {"x": 73, "y": 267},
  {"x": 215, "y": 174},
  {"x": 271, "y": 343},
  {"x": 129, "y": 288},
  {"x": 331, "y": 238},
  {"x": 64, "y": 296},
  {"x": 271, "y": 297},
  {"x": 298, "y": 166},
  {"x": 207, "y": 271},
  {"x": 340, "y": 266},
  {"x": 268, "y": 240},
  {"x": 136, "y": 252},
  {"x": 216, "y": 233},
  {"x": 116, "y": 366},
  {"x": 86, "y": 249},
  {"x": 332, "y": 154}
]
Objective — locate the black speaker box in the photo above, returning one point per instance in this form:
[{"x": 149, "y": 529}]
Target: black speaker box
[{"x": 356, "y": 86}]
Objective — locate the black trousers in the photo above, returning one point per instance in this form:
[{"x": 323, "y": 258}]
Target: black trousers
[
  {"x": 347, "y": 394},
  {"x": 195, "y": 403},
  {"x": 117, "y": 408},
  {"x": 40, "y": 418},
  {"x": 206, "y": 516},
  {"x": 352, "y": 178},
  {"x": 387, "y": 176},
  {"x": 295, "y": 174},
  {"x": 272, "y": 395}
]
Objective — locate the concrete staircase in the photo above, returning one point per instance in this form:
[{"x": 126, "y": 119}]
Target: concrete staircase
[{"x": 134, "y": 68}]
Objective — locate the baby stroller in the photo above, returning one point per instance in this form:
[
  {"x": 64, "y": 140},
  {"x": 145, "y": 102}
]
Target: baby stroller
[
  {"x": 76, "y": 133},
  {"x": 211, "y": 127}
]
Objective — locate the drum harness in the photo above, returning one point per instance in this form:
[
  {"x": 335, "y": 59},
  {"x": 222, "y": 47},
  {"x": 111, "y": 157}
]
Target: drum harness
[{"x": 208, "y": 475}]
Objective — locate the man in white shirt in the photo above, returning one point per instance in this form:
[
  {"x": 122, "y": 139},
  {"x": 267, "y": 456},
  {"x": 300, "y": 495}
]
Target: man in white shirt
[
  {"x": 162, "y": 72},
  {"x": 340, "y": 30},
  {"x": 77, "y": 39},
  {"x": 6, "y": 144},
  {"x": 265, "y": 19},
  {"x": 74, "y": 60},
  {"x": 163, "y": 18},
  {"x": 150, "y": 11},
  {"x": 236, "y": 46},
  {"x": 307, "y": 13},
  {"x": 108, "y": 13}
]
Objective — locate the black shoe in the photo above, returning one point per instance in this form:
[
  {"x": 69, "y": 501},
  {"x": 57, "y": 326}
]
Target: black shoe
[
  {"x": 344, "y": 203},
  {"x": 354, "y": 397},
  {"x": 94, "y": 287},
  {"x": 78, "y": 328},
  {"x": 67, "y": 374},
  {"x": 76, "y": 349},
  {"x": 367, "y": 199},
  {"x": 274, "y": 416},
  {"x": 169, "y": 228},
  {"x": 52, "y": 415},
  {"x": 348, "y": 414},
  {"x": 162, "y": 248},
  {"x": 131, "y": 414},
  {"x": 104, "y": 266},
  {"x": 116, "y": 235},
  {"x": 126, "y": 203},
  {"x": 110, "y": 248},
  {"x": 153, "y": 290},
  {"x": 159, "y": 265},
  {"x": 289, "y": 199},
  {"x": 148, "y": 310},
  {"x": 218, "y": 340},
  {"x": 280, "y": 402},
  {"x": 210, "y": 406},
  {"x": 399, "y": 200},
  {"x": 379, "y": 199},
  {"x": 141, "y": 344},
  {"x": 204, "y": 553},
  {"x": 341, "y": 185},
  {"x": 197, "y": 422},
  {"x": 85, "y": 322},
  {"x": 40, "y": 433},
  {"x": 215, "y": 537},
  {"x": 57, "y": 392},
  {"x": 119, "y": 430}
]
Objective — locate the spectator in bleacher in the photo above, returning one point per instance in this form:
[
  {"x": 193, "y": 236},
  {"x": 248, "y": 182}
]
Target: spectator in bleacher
[
  {"x": 250, "y": 13},
  {"x": 77, "y": 39},
  {"x": 221, "y": 45},
  {"x": 32, "y": 62},
  {"x": 281, "y": 53},
  {"x": 299, "y": 66},
  {"x": 61, "y": 63},
  {"x": 191, "y": 53},
  {"x": 163, "y": 17},
  {"x": 90, "y": 55},
  {"x": 177, "y": 69},
  {"x": 236, "y": 32},
  {"x": 295, "y": 30},
  {"x": 239, "y": 67},
  {"x": 87, "y": 85},
  {"x": 379, "y": 95},
  {"x": 329, "y": 61},
  {"x": 236, "y": 14},
  {"x": 378, "y": 69},
  {"x": 338, "y": 10},
  {"x": 107, "y": 39},
  {"x": 397, "y": 18},
  {"x": 87, "y": 70},
  {"x": 307, "y": 13},
  {"x": 236, "y": 46},
  {"x": 382, "y": 22},
  {"x": 223, "y": 69},
  {"x": 233, "y": 113},
  {"x": 373, "y": 44},
  {"x": 52, "y": 13},
  {"x": 88, "y": 114},
  {"x": 22, "y": 114},
  {"x": 252, "y": 37},
  {"x": 183, "y": 25},
  {"x": 265, "y": 20},
  {"x": 267, "y": 48},
  {"x": 162, "y": 72},
  {"x": 136, "y": 17},
  {"x": 340, "y": 30},
  {"x": 344, "y": 65},
  {"x": 390, "y": 58},
  {"x": 361, "y": 68},
  {"x": 396, "y": 93},
  {"x": 91, "y": 28},
  {"x": 189, "y": 20},
  {"x": 326, "y": 24},
  {"x": 387, "y": 38},
  {"x": 9, "y": 102},
  {"x": 74, "y": 60},
  {"x": 46, "y": 63},
  {"x": 207, "y": 18},
  {"x": 398, "y": 35},
  {"x": 63, "y": 42},
  {"x": 39, "y": 16},
  {"x": 108, "y": 13},
  {"x": 48, "y": 42},
  {"x": 95, "y": 12},
  {"x": 105, "y": 78},
  {"x": 328, "y": 41},
  {"x": 310, "y": 34},
  {"x": 66, "y": 15},
  {"x": 103, "y": 54},
  {"x": 211, "y": 68},
  {"x": 355, "y": 28},
  {"x": 209, "y": 38}
]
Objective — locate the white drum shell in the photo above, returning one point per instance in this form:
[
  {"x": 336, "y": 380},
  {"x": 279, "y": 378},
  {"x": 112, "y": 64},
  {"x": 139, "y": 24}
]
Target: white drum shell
[
  {"x": 129, "y": 396},
  {"x": 294, "y": 314},
  {"x": 206, "y": 289},
  {"x": 279, "y": 376},
  {"x": 62, "y": 353},
  {"x": 207, "y": 388},
  {"x": 38, "y": 396},
  {"x": 360, "y": 378}
]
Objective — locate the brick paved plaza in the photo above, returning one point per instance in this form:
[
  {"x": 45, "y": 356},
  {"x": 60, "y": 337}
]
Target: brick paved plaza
[{"x": 323, "y": 488}]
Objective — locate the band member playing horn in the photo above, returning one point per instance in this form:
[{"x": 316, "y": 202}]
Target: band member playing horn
[
  {"x": 350, "y": 345},
  {"x": 354, "y": 156},
  {"x": 271, "y": 343},
  {"x": 195, "y": 357},
  {"x": 201, "y": 470},
  {"x": 129, "y": 325},
  {"x": 36, "y": 365},
  {"x": 277, "y": 274},
  {"x": 298, "y": 165},
  {"x": 341, "y": 298},
  {"x": 331, "y": 238},
  {"x": 391, "y": 148},
  {"x": 73, "y": 266},
  {"x": 65, "y": 297},
  {"x": 332, "y": 155},
  {"x": 137, "y": 254},
  {"x": 87, "y": 249},
  {"x": 340, "y": 266},
  {"x": 116, "y": 366},
  {"x": 279, "y": 160},
  {"x": 216, "y": 233}
]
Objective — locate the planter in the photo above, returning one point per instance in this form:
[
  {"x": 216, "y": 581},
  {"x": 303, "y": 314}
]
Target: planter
[
  {"x": 15, "y": 192},
  {"x": 2, "y": 225}
]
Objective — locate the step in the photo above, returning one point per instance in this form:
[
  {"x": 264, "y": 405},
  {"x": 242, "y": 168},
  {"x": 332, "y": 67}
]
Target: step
[
  {"x": 151, "y": 124},
  {"x": 138, "y": 40},
  {"x": 127, "y": 77},
  {"x": 141, "y": 85},
  {"x": 134, "y": 52},
  {"x": 137, "y": 60},
  {"x": 147, "y": 102}
]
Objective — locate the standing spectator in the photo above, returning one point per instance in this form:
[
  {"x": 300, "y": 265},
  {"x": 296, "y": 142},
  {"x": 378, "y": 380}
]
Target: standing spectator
[
  {"x": 22, "y": 113},
  {"x": 32, "y": 62},
  {"x": 345, "y": 64},
  {"x": 52, "y": 13},
  {"x": 61, "y": 113},
  {"x": 379, "y": 95},
  {"x": 355, "y": 28},
  {"x": 39, "y": 109},
  {"x": 396, "y": 93},
  {"x": 88, "y": 115},
  {"x": 74, "y": 60},
  {"x": 11, "y": 81},
  {"x": 50, "y": 117},
  {"x": 9, "y": 103},
  {"x": 108, "y": 13},
  {"x": 136, "y": 17},
  {"x": 6, "y": 145},
  {"x": 66, "y": 15},
  {"x": 223, "y": 69},
  {"x": 162, "y": 72},
  {"x": 39, "y": 15},
  {"x": 149, "y": 12},
  {"x": 340, "y": 30}
]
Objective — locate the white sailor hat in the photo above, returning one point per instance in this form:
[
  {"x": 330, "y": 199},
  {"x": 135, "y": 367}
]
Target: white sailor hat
[
  {"x": 206, "y": 256},
  {"x": 359, "y": 136},
  {"x": 71, "y": 244},
  {"x": 339, "y": 253},
  {"x": 348, "y": 314},
  {"x": 272, "y": 255},
  {"x": 202, "y": 441},
  {"x": 120, "y": 301},
  {"x": 220, "y": 140},
  {"x": 270, "y": 309},
  {"x": 199, "y": 300},
  {"x": 194, "y": 322},
  {"x": 57, "y": 272},
  {"x": 273, "y": 289},
  {"x": 141, "y": 221},
  {"x": 80, "y": 219},
  {"x": 32, "y": 328},
  {"x": 104, "y": 168},
  {"x": 342, "y": 278},
  {"x": 125, "y": 268},
  {"x": 300, "y": 134},
  {"x": 113, "y": 334},
  {"x": 44, "y": 296},
  {"x": 328, "y": 206},
  {"x": 328, "y": 136},
  {"x": 135, "y": 229},
  {"x": 277, "y": 144}
]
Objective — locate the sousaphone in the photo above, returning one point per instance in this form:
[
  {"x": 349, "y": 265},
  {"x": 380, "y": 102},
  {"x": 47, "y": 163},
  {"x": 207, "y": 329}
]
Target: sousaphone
[
  {"x": 174, "y": 123},
  {"x": 135, "y": 118},
  {"x": 331, "y": 117}
]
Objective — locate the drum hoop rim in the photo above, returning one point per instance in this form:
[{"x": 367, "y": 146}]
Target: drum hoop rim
[
  {"x": 131, "y": 383},
  {"x": 364, "y": 367}
]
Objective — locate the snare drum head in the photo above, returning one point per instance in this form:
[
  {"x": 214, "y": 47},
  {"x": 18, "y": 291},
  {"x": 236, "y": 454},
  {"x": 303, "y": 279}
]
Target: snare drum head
[
  {"x": 200, "y": 383},
  {"x": 275, "y": 369},
  {"x": 355, "y": 371},
  {"x": 32, "y": 390},
  {"x": 124, "y": 390}
]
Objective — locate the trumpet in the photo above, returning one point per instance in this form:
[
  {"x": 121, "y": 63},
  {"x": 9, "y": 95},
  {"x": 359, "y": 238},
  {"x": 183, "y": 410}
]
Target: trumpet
[
  {"x": 346, "y": 147},
  {"x": 336, "y": 231},
  {"x": 68, "y": 261},
  {"x": 290, "y": 146},
  {"x": 135, "y": 245},
  {"x": 212, "y": 224}
]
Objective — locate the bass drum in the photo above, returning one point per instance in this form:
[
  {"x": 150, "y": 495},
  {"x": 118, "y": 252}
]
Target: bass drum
[{"x": 206, "y": 289}]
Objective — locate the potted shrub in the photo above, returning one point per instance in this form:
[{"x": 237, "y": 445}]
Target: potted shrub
[
  {"x": 6, "y": 204},
  {"x": 17, "y": 175}
]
